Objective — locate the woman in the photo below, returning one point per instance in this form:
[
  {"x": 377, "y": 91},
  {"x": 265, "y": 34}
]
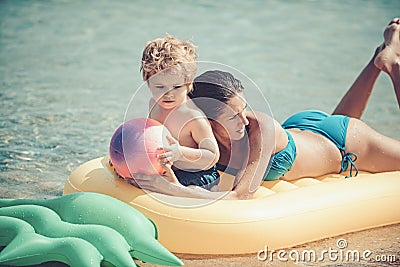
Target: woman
[{"x": 308, "y": 144}]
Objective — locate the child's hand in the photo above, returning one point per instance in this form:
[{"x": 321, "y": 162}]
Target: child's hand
[{"x": 172, "y": 151}]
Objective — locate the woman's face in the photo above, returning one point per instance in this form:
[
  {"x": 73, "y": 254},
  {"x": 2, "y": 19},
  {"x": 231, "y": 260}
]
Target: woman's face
[{"x": 233, "y": 117}]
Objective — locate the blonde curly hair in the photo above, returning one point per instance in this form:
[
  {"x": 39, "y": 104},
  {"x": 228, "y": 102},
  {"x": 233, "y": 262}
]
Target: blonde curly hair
[{"x": 163, "y": 53}]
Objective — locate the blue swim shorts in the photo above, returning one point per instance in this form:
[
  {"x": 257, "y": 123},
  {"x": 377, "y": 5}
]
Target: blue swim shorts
[{"x": 204, "y": 178}]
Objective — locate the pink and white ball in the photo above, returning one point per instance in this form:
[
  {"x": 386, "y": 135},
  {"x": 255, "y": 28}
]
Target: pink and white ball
[{"x": 134, "y": 147}]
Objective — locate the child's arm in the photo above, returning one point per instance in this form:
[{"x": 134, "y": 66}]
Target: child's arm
[
  {"x": 263, "y": 130},
  {"x": 204, "y": 156}
]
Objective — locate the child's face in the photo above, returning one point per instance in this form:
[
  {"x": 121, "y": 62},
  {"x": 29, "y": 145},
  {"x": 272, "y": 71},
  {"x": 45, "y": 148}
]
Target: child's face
[{"x": 169, "y": 89}]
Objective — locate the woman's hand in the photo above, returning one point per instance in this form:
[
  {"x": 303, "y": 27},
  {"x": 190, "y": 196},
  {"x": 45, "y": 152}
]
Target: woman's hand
[
  {"x": 158, "y": 183},
  {"x": 154, "y": 183},
  {"x": 168, "y": 184},
  {"x": 168, "y": 173}
]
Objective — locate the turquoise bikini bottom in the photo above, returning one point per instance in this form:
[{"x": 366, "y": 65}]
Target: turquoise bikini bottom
[{"x": 333, "y": 127}]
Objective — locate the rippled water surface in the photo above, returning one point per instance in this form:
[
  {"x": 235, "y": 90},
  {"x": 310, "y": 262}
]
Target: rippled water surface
[{"x": 68, "y": 69}]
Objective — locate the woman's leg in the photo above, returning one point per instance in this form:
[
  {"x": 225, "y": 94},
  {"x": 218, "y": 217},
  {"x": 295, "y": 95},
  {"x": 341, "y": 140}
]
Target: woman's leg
[
  {"x": 375, "y": 152},
  {"x": 388, "y": 60},
  {"x": 355, "y": 100}
]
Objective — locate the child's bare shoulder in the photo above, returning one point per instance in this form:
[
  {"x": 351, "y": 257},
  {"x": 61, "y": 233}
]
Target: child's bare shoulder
[{"x": 190, "y": 110}]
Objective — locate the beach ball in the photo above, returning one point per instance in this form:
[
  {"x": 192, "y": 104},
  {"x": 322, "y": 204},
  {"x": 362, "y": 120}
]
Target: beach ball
[{"x": 134, "y": 147}]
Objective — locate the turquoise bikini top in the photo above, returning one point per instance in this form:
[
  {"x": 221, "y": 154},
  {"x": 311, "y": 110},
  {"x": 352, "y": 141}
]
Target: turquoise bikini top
[
  {"x": 282, "y": 161},
  {"x": 279, "y": 164}
]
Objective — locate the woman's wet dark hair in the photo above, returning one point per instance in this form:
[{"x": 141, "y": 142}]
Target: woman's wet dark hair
[{"x": 212, "y": 90}]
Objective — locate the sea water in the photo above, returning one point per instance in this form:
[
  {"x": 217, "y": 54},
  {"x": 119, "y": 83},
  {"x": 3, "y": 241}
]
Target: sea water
[{"x": 69, "y": 69}]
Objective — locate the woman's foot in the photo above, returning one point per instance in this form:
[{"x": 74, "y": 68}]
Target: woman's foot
[{"x": 388, "y": 54}]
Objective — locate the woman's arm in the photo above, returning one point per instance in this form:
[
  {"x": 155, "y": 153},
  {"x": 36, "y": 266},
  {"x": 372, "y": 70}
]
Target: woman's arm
[
  {"x": 168, "y": 184},
  {"x": 262, "y": 134},
  {"x": 356, "y": 98}
]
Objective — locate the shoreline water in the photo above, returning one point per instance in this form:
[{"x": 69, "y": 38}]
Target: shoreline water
[{"x": 69, "y": 71}]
